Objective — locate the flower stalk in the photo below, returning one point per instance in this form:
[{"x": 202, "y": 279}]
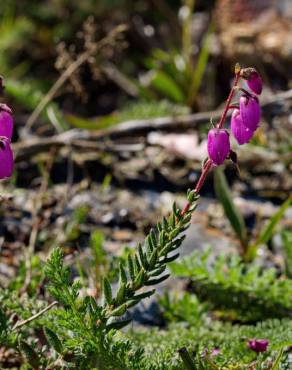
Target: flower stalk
[{"x": 208, "y": 165}]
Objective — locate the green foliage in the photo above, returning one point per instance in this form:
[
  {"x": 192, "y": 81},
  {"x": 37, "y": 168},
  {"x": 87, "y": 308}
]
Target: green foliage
[
  {"x": 249, "y": 248},
  {"x": 53, "y": 340},
  {"x": 224, "y": 195},
  {"x": 14, "y": 30},
  {"x": 30, "y": 354},
  {"x": 182, "y": 307},
  {"x": 269, "y": 229},
  {"x": 169, "y": 75},
  {"x": 132, "y": 111},
  {"x": 28, "y": 94},
  {"x": 287, "y": 244},
  {"x": 244, "y": 291},
  {"x": 161, "y": 347},
  {"x": 173, "y": 74},
  {"x": 83, "y": 331}
]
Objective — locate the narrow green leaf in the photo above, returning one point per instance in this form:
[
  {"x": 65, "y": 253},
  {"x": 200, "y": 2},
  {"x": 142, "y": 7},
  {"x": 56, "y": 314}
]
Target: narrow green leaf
[
  {"x": 148, "y": 294},
  {"x": 115, "y": 323},
  {"x": 119, "y": 311},
  {"x": 165, "y": 85},
  {"x": 137, "y": 265},
  {"x": 276, "y": 364},
  {"x": 142, "y": 257},
  {"x": 122, "y": 273},
  {"x": 148, "y": 244},
  {"x": 107, "y": 291},
  {"x": 157, "y": 281},
  {"x": 157, "y": 271},
  {"x": 186, "y": 359},
  {"x": 162, "y": 239},
  {"x": 287, "y": 245},
  {"x": 131, "y": 267},
  {"x": 139, "y": 281},
  {"x": 153, "y": 259},
  {"x": 153, "y": 238},
  {"x": 121, "y": 292},
  {"x": 223, "y": 193},
  {"x": 269, "y": 230},
  {"x": 53, "y": 340},
  {"x": 169, "y": 259}
]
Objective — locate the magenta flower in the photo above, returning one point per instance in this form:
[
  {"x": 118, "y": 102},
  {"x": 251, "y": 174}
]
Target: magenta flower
[
  {"x": 6, "y": 121},
  {"x": 241, "y": 133},
  {"x": 258, "y": 345},
  {"x": 6, "y": 158},
  {"x": 250, "y": 111},
  {"x": 255, "y": 82},
  {"x": 218, "y": 145},
  {"x": 6, "y": 129}
]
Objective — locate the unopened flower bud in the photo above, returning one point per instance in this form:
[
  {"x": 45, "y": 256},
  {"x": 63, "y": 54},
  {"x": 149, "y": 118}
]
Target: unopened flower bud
[
  {"x": 218, "y": 145},
  {"x": 6, "y": 121},
  {"x": 241, "y": 133},
  {"x": 250, "y": 111},
  {"x": 255, "y": 83},
  {"x": 258, "y": 345},
  {"x": 253, "y": 79}
]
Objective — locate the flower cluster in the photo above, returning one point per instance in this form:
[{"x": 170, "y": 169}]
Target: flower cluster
[
  {"x": 245, "y": 118},
  {"x": 6, "y": 129}
]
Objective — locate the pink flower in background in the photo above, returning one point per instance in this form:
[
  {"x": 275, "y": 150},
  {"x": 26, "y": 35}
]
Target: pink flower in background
[
  {"x": 6, "y": 129},
  {"x": 215, "y": 352},
  {"x": 218, "y": 145},
  {"x": 258, "y": 345}
]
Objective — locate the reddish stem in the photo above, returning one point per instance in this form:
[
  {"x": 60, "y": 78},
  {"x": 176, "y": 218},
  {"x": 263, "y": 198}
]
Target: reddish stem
[
  {"x": 208, "y": 164},
  {"x": 228, "y": 101},
  {"x": 233, "y": 107}
]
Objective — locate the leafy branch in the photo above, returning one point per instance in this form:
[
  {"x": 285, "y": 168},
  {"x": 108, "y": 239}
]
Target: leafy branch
[
  {"x": 148, "y": 264},
  {"x": 230, "y": 284}
]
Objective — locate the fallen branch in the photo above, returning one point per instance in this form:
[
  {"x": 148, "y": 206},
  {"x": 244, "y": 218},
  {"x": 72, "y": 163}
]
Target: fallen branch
[
  {"x": 30, "y": 319},
  {"x": 96, "y": 140}
]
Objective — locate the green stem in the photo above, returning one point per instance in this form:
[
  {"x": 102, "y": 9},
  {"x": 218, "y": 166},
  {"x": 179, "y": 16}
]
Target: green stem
[{"x": 186, "y": 358}]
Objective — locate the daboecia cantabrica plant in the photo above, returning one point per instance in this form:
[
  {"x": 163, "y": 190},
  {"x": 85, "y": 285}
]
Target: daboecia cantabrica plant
[{"x": 83, "y": 332}]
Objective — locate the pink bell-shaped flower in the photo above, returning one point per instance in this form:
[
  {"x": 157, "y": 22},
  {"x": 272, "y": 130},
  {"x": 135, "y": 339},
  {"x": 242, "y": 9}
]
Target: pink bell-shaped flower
[
  {"x": 250, "y": 112},
  {"x": 241, "y": 133},
  {"x": 218, "y": 145},
  {"x": 6, "y": 121}
]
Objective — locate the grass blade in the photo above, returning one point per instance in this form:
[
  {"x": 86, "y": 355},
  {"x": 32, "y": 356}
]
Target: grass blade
[{"x": 223, "y": 193}]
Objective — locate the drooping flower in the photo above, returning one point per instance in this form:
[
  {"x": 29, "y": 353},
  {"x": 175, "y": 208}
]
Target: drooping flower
[
  {"x": 6, "y": 158},
  {"x": 218, "y": 145},
  {"x": 6, "y": 121},
  {"x": 241, "y": 133},
  {"x": 250, "y": 111},
  {"x": 258, "y": 345},
  {"x": 255, "y": 82}
]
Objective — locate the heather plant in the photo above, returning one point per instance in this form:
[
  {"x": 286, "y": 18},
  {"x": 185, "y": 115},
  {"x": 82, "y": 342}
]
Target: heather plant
[{"x": 77, "y": 330}]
